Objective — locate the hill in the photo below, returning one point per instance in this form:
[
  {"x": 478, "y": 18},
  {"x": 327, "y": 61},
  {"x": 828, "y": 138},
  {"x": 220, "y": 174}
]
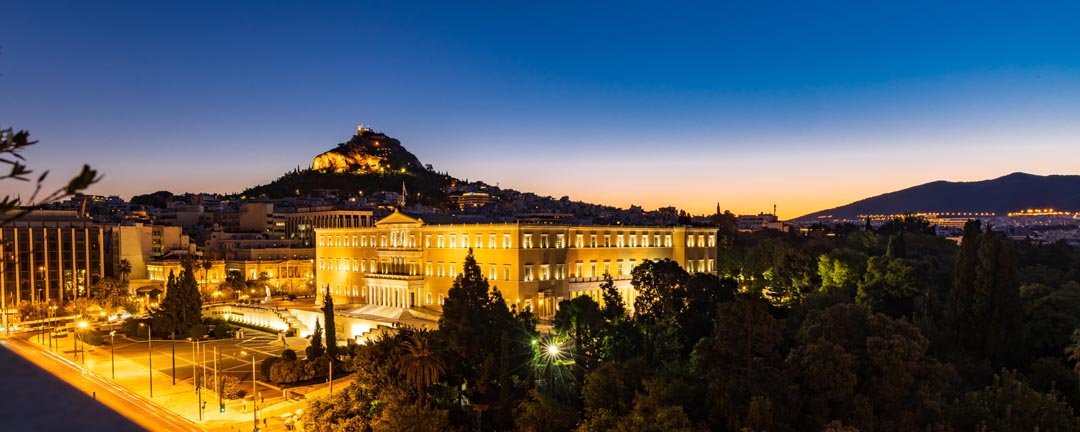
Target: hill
[
  {"x": 368, "y": 163},
  {"x": 1016, "y": 191}
]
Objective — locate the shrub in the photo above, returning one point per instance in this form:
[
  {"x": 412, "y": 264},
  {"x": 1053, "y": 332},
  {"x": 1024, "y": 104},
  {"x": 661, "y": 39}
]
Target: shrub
[
  {"x": 288, "y": 372},
  {"x": 230, "y": 387},
  {"x": 266, "y": 365},
  {"x": 288, "y": 355}
]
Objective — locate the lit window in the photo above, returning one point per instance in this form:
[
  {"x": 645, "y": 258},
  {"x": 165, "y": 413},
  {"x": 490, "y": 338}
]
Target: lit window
[
  {"x": 453, "y": 241},
  {"x": 427, "y": 240},
  {"x": 491, "y": 241},
  {"x": 506, "y": 241},
  {"x": 607, "y": 267},
  {"x": 479, "y": 241},
  {"x": 619, "y": 267},
  {"x": 560, "y": 241},
  {"x": 644, "y": 240},
  {"x": 545, "y": 272},
  {"x": 363, "y": 266},
  {"x": 528, "y": 272},
  {"x": 427, "y": 268},
  {"x": 619, "y": 242},
  {"x": 578, "y": 271},
  {"x": 656, "y": 240},
  {"x": 712, "y": 240},
  {"x": 544, "y": 241},
  {"x": 607, "y": 240},
  {"x": 667, "y": 240},
  {"x": 592, "y": 240},
  {"x": 633, "y": 240},
  {"x": 559, "y": 275},
  {"x": 442, "y": 270},
  {"x": 363, "y": 241},
  {"x": 690, "y": 240},
  {"x": 506, "y": 271},
  {"x": 592, "y": 269},
  {"x": 322, "y": 240},
  {"x": 492, "y": 273},
  {"x": 441, "y": 243},
  {"x": 579, "y": 241},
  {"x": 453, "y": 269},
  {"x": 526, "y": 242}
]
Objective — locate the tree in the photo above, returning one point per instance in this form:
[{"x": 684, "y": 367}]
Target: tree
[
  {"x": 206, "y": 264},
  {"x": 421, "y": 363},
  {"x": 123, "y": 269},
  {"x": 182, "y": 306},
  {"x": 12, "y": 144},
  {"x": 315, "y": 347},
  {"x": 582, "y": 320},
  {"x": 614, "y": 308},
  {"x": 331, "y": 326},
  {"x": 962, "y": 296},
  {"x": 110, "y": 293},
  {"x": 1010, "y": 405},
  {"x": 740, "y": 359},
  {"x": 484, "y": 339}
]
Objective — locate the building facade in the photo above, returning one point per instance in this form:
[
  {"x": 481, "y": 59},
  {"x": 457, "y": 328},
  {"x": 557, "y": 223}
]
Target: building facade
[
  {"x": 403, "y": 262},
  {"x": 50, "y": 256}
]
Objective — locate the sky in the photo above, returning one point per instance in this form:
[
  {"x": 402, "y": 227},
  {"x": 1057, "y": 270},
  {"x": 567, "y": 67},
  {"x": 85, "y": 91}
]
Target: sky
[{"x": 802, "y": 105}]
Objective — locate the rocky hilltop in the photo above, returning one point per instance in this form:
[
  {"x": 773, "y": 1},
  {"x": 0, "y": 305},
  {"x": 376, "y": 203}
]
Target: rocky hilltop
[{"x": 368, "y": 152}]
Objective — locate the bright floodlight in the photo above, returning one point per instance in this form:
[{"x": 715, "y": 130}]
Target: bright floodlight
[
  {"x": 553, "y": 349},
  {"x": 82, "y": 324}
]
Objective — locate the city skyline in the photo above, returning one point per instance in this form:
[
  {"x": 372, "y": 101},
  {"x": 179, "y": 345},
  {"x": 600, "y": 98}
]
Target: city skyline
[{"x": 747, "y": 106}]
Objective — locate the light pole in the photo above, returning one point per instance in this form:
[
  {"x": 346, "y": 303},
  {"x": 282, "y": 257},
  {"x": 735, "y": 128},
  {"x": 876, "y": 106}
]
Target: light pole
[
  {"x": 173, "y": 337},
  {"x": 254, "y": 397},
  {"x": 82, "y": 328},
  {"x": 150, "y": 355},
  {"x": 112, "y": 352}
]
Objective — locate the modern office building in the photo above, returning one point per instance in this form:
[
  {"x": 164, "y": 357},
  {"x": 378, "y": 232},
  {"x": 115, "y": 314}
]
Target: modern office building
[
  {"x": 50, "y": 256},
  {"x": 403, "y": 262}
]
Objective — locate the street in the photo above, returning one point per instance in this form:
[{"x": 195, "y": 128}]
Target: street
[{"x": 130, "y": 405}]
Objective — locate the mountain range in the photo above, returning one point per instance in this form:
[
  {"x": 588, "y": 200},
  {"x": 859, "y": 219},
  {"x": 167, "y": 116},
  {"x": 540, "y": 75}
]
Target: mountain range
[{"x": 1010, "y": 193}]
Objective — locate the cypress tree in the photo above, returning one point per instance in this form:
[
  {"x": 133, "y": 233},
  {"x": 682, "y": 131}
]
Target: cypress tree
[
  {"x": 315, "y": 347},
  {"x": 328, "y": 318},
  {"x": 958, "y": 308},
  {"x": 181, "y": 309}
]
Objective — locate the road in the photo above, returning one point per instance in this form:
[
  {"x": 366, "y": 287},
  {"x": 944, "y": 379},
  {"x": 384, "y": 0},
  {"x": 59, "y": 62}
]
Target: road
[{"x": 130, "y": 405}]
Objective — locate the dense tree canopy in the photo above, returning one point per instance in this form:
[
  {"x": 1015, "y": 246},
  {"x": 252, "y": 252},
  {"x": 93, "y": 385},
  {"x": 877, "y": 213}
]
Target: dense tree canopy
[{"x": 835, "y": 329}]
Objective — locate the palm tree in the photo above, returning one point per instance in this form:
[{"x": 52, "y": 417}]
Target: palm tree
[
  {"x": 422, "y": 363},
  {"x": 124, "y": 269},
  {"x": 206, "y": 264}
]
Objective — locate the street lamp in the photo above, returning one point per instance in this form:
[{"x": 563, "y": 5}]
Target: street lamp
[
  {"x": 75, "y": 341},
  {"x": 112, "y": 352},
  {"x": 150, "y": 354},
  {"x": 254, "y": 398}
]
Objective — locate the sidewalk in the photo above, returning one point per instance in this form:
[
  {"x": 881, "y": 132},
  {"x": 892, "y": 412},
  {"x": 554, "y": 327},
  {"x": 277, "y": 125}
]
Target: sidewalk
[{"x": 182, "y": 398}]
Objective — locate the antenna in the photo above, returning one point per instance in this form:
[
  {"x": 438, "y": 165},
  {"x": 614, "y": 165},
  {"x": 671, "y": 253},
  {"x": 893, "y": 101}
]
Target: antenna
[{"x": 774, "y": 209}]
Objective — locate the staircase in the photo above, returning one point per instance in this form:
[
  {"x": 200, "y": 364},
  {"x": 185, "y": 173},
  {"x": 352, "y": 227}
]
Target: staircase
[{"x": 292, "y": 321}]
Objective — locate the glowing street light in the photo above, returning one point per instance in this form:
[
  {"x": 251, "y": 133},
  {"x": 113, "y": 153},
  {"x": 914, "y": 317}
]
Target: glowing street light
[
  {"x": 75, "y": 340},
  {"x": 112, "y": 352}
]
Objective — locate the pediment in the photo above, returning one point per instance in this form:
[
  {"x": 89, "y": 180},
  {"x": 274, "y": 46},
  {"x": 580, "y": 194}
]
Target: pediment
[{"x": 398, "y": 218}]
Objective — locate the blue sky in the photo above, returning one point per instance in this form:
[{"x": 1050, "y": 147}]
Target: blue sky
[{"x": 748, "y": 104}]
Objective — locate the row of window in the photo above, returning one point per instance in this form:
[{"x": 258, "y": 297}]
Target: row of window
[
  {"x": 438, "y": 269},
  {"x": 558, "y": 241}
]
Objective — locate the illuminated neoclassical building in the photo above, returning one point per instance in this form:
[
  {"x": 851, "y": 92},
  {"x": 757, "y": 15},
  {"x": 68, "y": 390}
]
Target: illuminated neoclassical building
[{"x": 403, "y": 262}]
